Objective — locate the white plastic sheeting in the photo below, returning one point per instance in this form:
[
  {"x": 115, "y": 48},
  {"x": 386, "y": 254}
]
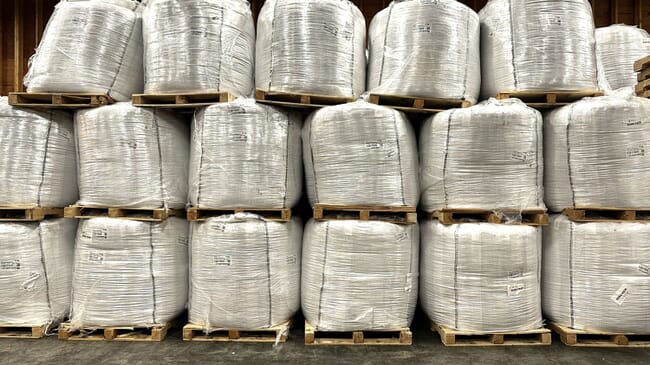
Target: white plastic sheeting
[
  {"x": 245, "y": 155},
  {"x": 37, "y": 157},
  {"x": 618, "y": 47},
  {"x": 36, "y": 271},
  {"x": 360, "y": 154},
  {"x": 596, "y": 276},
  {"x": 359, "y": 275},
  {"x": 244, "y": 271},
  {"x": 425, "y": 48},
  {"x": 132, "y": 157},
  {"x": 488, "y": 156},
  {"x": 596, "y": 153},
  {"x": 481, "y": 276},
  {"x": 311, "y": 46},
  {"x": 129, "y": 273},
  {"x": 537, "y": 45},
  {"x": 199, "y": 45},
  {"x": 92, "y": 46}
]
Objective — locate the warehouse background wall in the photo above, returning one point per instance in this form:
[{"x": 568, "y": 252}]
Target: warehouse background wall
[{"x": 22, "y": 23}]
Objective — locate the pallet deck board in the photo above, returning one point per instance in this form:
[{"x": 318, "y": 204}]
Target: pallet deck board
[
  {"x": 417, "y": 104},
  {"x": 59, "y": 100},
  {"x": 396, "y": 337},
  {"x": 642, "y": 87},
  {"x": 28, "y": 213},
  {"x": 181, "y": 100},
  {"x": 451, "y": 337},
  {"x": 549, "y": 99},
  {"x": 526, "y": 217},
  {"x": 34, "y": 331},
  {"x": 643, "y": 74},
  {"x": 154, "y": 333},
  {"x": 579, "y": 338},
  {"x": 195, "y": 332},
  {"x": 397, "y": 215},
  {"x": 138, "y": 214},
  {"x": 299, "y": 100},
  {"x": 271, "y": 214},
  {"x": 605, "y": 214}
]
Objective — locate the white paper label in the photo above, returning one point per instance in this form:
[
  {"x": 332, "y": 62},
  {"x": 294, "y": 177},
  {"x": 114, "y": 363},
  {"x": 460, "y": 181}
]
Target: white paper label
[
  {"x": 515, "y": 289},
  {"x": 96, "y": 257},
  {"x": 636, "y": 151},
  {"x": 621, "y": 294},
  {"x": 645, "y": 268},
  {"x": 292, "y": 259},
  {"x": 526, "y": 157},
  {"x": 409, "y": 283},
  {"x": 223, "y": 260},
  {"x": 10, "y": 265}
]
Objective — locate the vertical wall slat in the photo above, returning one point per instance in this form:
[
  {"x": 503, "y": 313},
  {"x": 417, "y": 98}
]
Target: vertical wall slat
[
  {"x": 18, "y": 45},
  {"x": 613, "y": 11},
  {"x": 3, "y": 57}
]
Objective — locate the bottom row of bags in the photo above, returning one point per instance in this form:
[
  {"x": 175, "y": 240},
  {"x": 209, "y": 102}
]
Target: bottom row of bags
[{"x": 245, "y": 272}]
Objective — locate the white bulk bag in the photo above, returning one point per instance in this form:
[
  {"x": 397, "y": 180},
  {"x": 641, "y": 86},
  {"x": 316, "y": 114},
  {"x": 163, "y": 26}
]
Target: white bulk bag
[{"x": 618, "y": 47}]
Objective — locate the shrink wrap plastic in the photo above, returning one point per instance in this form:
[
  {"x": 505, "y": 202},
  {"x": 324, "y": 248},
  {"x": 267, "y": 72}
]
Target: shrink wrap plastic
[
  {"x": 537, "y": 45},
  {"x": 37, "y": 157},
  {"x": 244, "y": 272},
  {"x": 245, "y": 155},
  {"x": 129, "y": 273},
  {"x": 597, "y": 275},
  {"x": 359, "y": 275},
  {"x": 481, "y": 276},
  {"x": 425, "y": 48},
  {"x": 618, "y": 47},
  {"x": 311, "y": 46},
  {"x": 92, "y": 46},
  {"x": 132, "y": 157},
  {"x": 360, "y": 154},
  {"x": 494, "y": 147},
  {"x": 36, "y": 271},
  {"x": 199, "y": 45},
  {"x": 596, "y": 153}
]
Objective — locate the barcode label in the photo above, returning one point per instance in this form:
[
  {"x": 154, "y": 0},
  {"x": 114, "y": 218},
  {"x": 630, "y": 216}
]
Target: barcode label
[{"x": 621, "y": 294}]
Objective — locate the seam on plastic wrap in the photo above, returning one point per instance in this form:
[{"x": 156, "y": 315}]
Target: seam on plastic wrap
[
  {"x": 399, "y": 156},
  {"x": 275, "y": 7},
  {"x": 47, "y": 281},
  {"x": 153, "y": 279},
  {"x": 160, "y": 160},
  {"x": 47, "y": 144},
  {"x": 198, "y": 185},
  {"x": 571, "y": 304},
  {"x": 467, "y": 63},
  {"x": 538, "y": 148},
  {"x": 352, "y": 65},
  {"x": 568, "y": 155},
  {"x": 286, "y": 159},
  {"x": 444, "y": 164},
  {"x": 313, "y": 165},
  {"x": 220, "y": 49},
  {"x": 126, "y": 47},
  {"x": 383, "y": 54},
  {"x": 322, "y": 284},
  {"x": 456, "y": 275},
  {"x": 268, "y": 271},
  {"x": 512, "y": 48}
]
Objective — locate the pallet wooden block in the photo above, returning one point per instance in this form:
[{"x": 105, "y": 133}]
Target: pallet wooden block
[
  {"x": 396, "y": 337},
  {"x": 549, "y": 99},
  {"x": 604, "y": 214},
  {"x": 642, "y": 64},
  {"x": 417, "y": 104},
  {"x": 28, "y": 213},
  {"x": 397, "y": 215},
  {"x": 526, "y": 217},
  {"x": 202, "y": 214},
  {"x": 643, "y": 75},
  {"x": 451, "y": 337},
  {"x": 642, "y": 87},
  {"x": 182, "y": 100},
  {"x": 153, "y": 333},
  {"x": 572, "y": 337},
  {"x": 299, "y": 100},
  {"x": 22, "y": 330},
  {"x": 195, "y": 332},
  {"x": 136, "y": 214},
  {"x": 59, "y": 100}
]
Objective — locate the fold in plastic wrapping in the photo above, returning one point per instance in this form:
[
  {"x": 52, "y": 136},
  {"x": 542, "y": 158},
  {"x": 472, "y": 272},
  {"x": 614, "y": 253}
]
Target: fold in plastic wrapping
[
  {"x": 199, "y": 45},
  {"x": 481, "y": 277},
  {"x": 132, "y": 157},
  {"x": 129, "y": 273},
  {"x": 37, "y": 157},
  {"x": 311, "y": 46},
  {"x": 359, "y": 275},
  {"x": 618, "y": 47},
  {"x": 90, "y": 46},
  {"x": 245, "y": 155},
  {"x": 244, "y": 272},
  {"x": 597, "y": 275},
  {"x": 426, "y": 49}
]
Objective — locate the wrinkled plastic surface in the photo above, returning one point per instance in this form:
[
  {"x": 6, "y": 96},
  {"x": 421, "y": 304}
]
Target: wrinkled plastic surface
[
  {"x": 360, "y": 154},
  {"x": 129, "y": 273},
  {"x": 37, "y": 157},
  {"x": 132, "y": 157},
  {"x": 425, "y": 48},
  {"x": 311, "y": 46},
  {"x": 359, "y": 275},
  {"x": 199, "y": 45},
  {"x": 618, "y": 47},
  {"x": 245, "y": 155},
  {"x": 597, "y": 275},
  {"x": 244, "y": 271}
]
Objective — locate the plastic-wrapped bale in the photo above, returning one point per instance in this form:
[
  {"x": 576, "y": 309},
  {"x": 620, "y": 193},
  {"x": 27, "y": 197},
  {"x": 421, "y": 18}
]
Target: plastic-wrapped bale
[
  {"x": 199, "y": 45},
  {"x": 426, "y": 49},
  {"x": 36, "y": 271},
  {"x": 244, "y": 259},
  {"x": 494, "y": 147},
  {"x": 596, "y": 153},
  {"x": 360, "y": 154},
  {"x": 618, "y": 47},
  {"x": 129, "y": 273},
  {"x": 311, "y": 46},
  {"x": 246, "y": 155},
  {"x": 132, "y": 157},
  {"x": 359, "y": 275},
  {"x": 92, "y": 46},
  {"x": 537, "y": 45},
  {"x": 481, "y": 276},
  {"x": 37, "y": 157},
  {"x": 596, "y": 276}
]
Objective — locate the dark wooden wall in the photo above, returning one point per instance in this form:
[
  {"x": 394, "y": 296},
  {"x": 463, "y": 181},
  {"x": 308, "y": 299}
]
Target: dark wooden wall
[{"x": 22, "y": 23}]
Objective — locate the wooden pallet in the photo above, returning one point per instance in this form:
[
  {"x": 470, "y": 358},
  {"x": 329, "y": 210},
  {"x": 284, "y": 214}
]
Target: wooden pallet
[
  {"x": 23, "y": 330},
  {"x": 195, "y": 332},
  {"x": 572, "y": 337},
  {"x": 155, "y": 333},
  {"x": 642, "y": 64},
  {"x": 59, "y": 100},
  {"x": 416, "y": 104},
  {"x": 299, "y": 100},
  {"x": 28, "y": 213},
  {"x": 549, "y": 99},
  {"x": 182, "y": 100},
  {"x": 526, "y": 217},
  {"x": 202, "y": 214},
  {"x": 397, "y": 215},
  {"x": 397, "y": 337},
  {"x": 643, "y": 75},
  {"x": 136, "y": 214},
  {"x": 451, "y": 337},
  {"x": 643, "y": 88},
  {"x": 603, "y": 214}
]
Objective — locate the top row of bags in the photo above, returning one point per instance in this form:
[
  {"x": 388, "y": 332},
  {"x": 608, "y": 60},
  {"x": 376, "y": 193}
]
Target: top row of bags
[{"x": 423, "y": 48}]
